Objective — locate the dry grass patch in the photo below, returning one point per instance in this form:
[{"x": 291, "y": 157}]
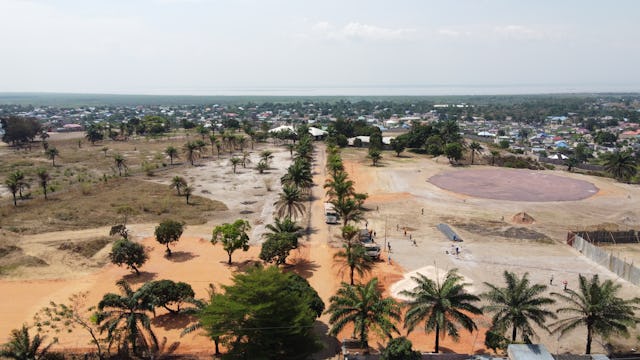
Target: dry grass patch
[{"x": 93, "y": 205}]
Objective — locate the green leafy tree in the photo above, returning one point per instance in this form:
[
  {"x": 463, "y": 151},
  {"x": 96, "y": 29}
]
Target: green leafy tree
[
  {"x": 169, "y": 232},
  {"x": 124, "y": 318},
  {"x": 51, "y": 154},
  {"x": 125, "y": 252},
  {"x": 282, "y": 237},
  {"x": 453, "y": 151},
  {"x": 365, "y": 308},
  {"x": 166, "y": 293},
  {"x": 172, "y": 153},
  {"x": 43, "y": 178},
  {"x": 265, "y": 314},
  {"x": 517, "y": 305},
  {"x": 504, "y": 144},
  {"x": 442, "y": 306},
  {"x": 621, "y": 165},
  {"x": 22, "y": 347},
  {"x": 375, "y": 155},
  {"x": 474, "y": 147},
  {"x": 398, "y": 145},
  {"x": 290, "y": 203},
  {"x": 19, "y": 130},
  {"x": 59, "y": 317},
  {"x": 94, "y": 134},
  {"x": 596, "y": 306},
  {"x": 232, "y": 236},
  {"x": 400, "y": 349},
  {"x": 178, "y": 183}
]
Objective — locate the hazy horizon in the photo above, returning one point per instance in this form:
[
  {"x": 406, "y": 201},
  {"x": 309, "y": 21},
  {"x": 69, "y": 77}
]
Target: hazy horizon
[{"x": 329, "y": 47}]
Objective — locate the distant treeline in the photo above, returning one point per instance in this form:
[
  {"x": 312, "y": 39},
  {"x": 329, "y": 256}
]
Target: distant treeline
[{"x": 65, "y": 99}]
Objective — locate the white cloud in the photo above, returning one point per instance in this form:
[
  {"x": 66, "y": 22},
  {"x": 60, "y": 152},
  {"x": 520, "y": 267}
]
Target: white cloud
[
  {"x": 359, "y": 31},
  {"x": 453, "y": 33},
  {"x": 519, "y": 32}
]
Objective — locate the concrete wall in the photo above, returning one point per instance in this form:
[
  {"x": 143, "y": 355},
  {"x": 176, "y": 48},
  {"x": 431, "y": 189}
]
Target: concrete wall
[{"x": 616, "y": 265}]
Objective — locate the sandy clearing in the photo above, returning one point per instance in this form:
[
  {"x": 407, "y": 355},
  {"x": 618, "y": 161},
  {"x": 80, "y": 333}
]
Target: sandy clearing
[{"x": 484, "y": 257}]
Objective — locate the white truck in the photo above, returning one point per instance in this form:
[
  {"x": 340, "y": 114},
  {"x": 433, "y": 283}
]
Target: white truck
[
  {"x": 330, "y": 214},
  {"x": 371, "y": 248}
]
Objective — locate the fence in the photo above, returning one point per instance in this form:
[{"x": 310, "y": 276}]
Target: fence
[{"x": 614, "y": 264}]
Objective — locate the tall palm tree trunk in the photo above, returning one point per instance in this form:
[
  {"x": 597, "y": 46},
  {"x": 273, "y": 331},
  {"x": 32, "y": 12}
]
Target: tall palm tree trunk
[
  {"x": 437, "y": 338},
  {"x": 513, "y": 333},
  {"x": 589, "y": 338}
]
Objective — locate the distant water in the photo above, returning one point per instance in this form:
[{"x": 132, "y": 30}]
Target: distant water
[{"x": 379, "y": 90}]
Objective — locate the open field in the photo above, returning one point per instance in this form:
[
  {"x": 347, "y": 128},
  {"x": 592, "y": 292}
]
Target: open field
[{"x": 399, "y": 191}]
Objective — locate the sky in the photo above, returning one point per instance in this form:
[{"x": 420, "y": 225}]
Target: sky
[{"x": 318, "y": 47}]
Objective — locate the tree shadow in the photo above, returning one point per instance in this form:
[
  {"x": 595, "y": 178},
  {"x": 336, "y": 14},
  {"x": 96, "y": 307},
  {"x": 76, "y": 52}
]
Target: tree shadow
[
  {"x": 143, "y": 277},
  {"x": 303, "y": 267},
  {"x": 310, "y": 231},
  {"x": 332, "y": 346},
  {"x": 181, "y": 256},
  {"x": 244, "y": 265},
  {"x": 172, "y": 321}
]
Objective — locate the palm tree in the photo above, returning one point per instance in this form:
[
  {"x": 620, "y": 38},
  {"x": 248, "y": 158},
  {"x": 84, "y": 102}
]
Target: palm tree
[
  {"x": 191, "y": 149},
  {"x": 441, "y": 306},
  {"x": 12, "y": 183},
  {"x": 290, "y": 203},
  {"x": 218, "y": 147},
  {"x": 596, "y": 306},
  {"x": 246, "y": 158},
  {"x": 286, "y": 226},
  {"x": 365, "y": 308},
  {"x": 375, "y": 155},
  {"x": 494, "y": 155},
  {"x": 474, "y": 147},
  {"x": 125, "y": 315},
  {"x": 235, "y": 161},
  {"x": 339, "y": 186},
  {"x": 178, "y": 183},
  {"x": 335, "y": 164},
  {"x": 290, "y": 147},
  {"x": 262, "y": 166},
  {"x": 517, "y": 304},
  {"x": 44, "y": 177},
  {"x": 266, "y": 156},
  {"x": 120, "y": 163},
  {"x": 172, "y": 153},
  {"x": 349, "y": 209},
  {"x": 299, "y": 175},
  {"x": 355, "y": 257},
  {"x": 187, "y": 191},
  {"x": 22, "y": 347},
  {"x": 213, "y": 140},
  {"x": 16, "y": 182},
  {"x": 51, "y": 154},
  {"x": 621, "y": 165}
]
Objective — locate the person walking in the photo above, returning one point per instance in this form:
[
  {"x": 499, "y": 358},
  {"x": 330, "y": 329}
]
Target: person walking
[
  {"x": 389, "y": 246},
  {"x": 551, "y": 280}
]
